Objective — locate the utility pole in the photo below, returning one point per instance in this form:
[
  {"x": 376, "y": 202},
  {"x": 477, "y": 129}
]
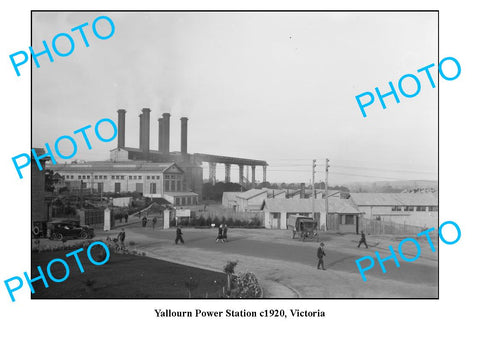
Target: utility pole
[
  {"x": 314, "y": 165},
  {"x": 326, "y": 193}
]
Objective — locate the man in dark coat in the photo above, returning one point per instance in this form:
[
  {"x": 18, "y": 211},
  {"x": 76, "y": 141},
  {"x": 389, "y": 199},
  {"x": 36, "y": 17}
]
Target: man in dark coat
[
  {"x": 220, "y": 233},
  {"x": 179, "y": 235},
  {"x": 224, "y": 233},
  {"x": 320, "y": 255},
  {"x": 362, "y": 240},
  {"x": 144, "y": 221},
  {"x": 121, "y": 238},
  {"x": 154, "y": 221}
]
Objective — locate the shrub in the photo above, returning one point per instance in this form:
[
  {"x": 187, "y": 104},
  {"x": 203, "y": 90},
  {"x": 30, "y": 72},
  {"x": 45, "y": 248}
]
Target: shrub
[{"x": 245, "y": 286}]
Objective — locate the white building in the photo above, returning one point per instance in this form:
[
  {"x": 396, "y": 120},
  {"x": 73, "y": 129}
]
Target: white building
[
  {"x": 419, "y": 209},
  {"x": 343, "y": 215},
  {"x": 165, "y": 180}
]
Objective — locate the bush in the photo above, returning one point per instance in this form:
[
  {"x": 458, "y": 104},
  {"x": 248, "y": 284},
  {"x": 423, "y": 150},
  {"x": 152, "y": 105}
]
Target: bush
[{"x": 245, "y": 286}]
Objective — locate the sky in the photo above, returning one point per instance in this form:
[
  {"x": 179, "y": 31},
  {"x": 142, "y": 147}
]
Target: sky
[{"x": 274, "y": 86}]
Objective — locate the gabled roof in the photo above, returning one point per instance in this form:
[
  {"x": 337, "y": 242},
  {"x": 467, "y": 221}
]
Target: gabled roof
[
  {"x": 251, "y": 193},
  {"x": 385, "y": 199},
  {"x": 112, "y": 166},
  {"x": 335, "y": 205}
]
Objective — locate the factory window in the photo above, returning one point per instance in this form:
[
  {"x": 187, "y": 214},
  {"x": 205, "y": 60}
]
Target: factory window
[
  {"x": 129, "y": 177},
  {"x": 408, "y": 208},
  {"x": 153, "y": 188},
  {"x": 113, "y": 177},
  {"x": 432, "y": 208},
  {"x": 122, "y": 177},
  {"x": 420, "y": 208},
  {"x": 148, "y": 177},
  {"x": 88, "y": 177},
  {"x": 396, "y": 208},
  {"x": 139, "y": 177},
  {"x": 83, "y": 176},
  {"x": 95, "y": 177}
]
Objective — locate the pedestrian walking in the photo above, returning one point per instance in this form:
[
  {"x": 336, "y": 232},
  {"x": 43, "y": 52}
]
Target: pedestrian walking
[
  {"x": 144, "y": 221},
  {"x": 121, "y": 238},
  {"x": 224, "y": 233},
  {"x": 126, "y": 217},
  {"x": 220, "y": 233},
  {"x": 320, "y": 255},
  {"x": 179, "y": 235},
  {"x": 154, "y": 221},
  {"x": 362, "y": 240}
]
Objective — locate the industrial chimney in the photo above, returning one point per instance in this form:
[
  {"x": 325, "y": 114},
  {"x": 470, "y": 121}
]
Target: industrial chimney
[
  {"x": 121, "y": 128},
  {"x": 160, "y": 135},
  {"x": 183, "y": 148},
  {"x": 166, "y": 133},
  {"x": 145, "y": 132}
]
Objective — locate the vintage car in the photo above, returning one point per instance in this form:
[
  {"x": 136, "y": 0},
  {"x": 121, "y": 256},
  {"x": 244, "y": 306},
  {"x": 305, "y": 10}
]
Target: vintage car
[
  {"x": 60, "y": 230},
  {"x": 304, "y": 226}
]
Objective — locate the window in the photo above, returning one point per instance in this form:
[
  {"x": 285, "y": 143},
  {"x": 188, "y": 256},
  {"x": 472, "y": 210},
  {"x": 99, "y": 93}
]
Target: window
[
  {"x": 105, "y": 177},
  {"x": 129, "y": 177},
  {"x": 408, "y": 208},
  {"x": 179, "y": 186},
  {"x": 396, "y": 208},
  {"x": 83, "y": 176},
  {"x": 95, "y": 177},
  {"x": 79, "y": 177},
  {"x": 432, "y": 208},
  {"x": 177, "y": 200},
  {"x": 148, "y": 177},
  {"x": 88, "y": 177},
  {"x": 276, "y": 215},
  {"x": 122, "y": 177},
  {"x": 113, "y": 177},
  {"x": 420, "y": 208},
  {"x": 167, "y": 185},
  {"x": 158, "y": 177},
  {"x": 349, "y": 219},
  {"x": 134, "y": 177},
  {"x": 139, "y": 177},
  {"x": 173, "y": 186}
]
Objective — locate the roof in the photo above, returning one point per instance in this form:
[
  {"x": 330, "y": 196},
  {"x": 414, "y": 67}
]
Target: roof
[
  {"x": 382, "y": 199},
  {"x": 335, "y": 205},
  {"x": 251, "y": 193},
  {"x": 180, "y": 193},
  {"x": 230, "y": 195},
  {"x": 112, "y": 166}
]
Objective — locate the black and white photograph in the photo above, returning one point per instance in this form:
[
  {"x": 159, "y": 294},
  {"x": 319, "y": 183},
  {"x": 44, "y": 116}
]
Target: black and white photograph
[
  {"x": 255, "y": 169},
  {"x": 243, "y": 122}
]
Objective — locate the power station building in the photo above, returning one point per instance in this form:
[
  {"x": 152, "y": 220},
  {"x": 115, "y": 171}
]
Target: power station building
[{"x": 175, "y": 176}]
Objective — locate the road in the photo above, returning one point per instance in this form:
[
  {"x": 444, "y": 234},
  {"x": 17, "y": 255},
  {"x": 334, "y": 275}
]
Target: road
[{"x": 339, "y": 258}]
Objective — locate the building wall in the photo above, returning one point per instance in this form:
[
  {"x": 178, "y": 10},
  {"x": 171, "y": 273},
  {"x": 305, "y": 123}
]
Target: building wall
[
  {"x": 417, "y": 218},
  {"x": 253, "y": 203}
]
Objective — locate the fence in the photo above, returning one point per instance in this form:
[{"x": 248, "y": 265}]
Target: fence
[
  {"x": 234, "y": 215},
  {"x": 94, "y": 216},
  {"x": 375, "y": 227}
]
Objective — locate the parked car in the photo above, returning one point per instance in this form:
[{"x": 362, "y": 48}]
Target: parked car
[{"x": 59, "y": 230}]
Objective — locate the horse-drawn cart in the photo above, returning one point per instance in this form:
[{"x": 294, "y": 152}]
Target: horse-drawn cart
[{"x": 304, "y": 227}]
